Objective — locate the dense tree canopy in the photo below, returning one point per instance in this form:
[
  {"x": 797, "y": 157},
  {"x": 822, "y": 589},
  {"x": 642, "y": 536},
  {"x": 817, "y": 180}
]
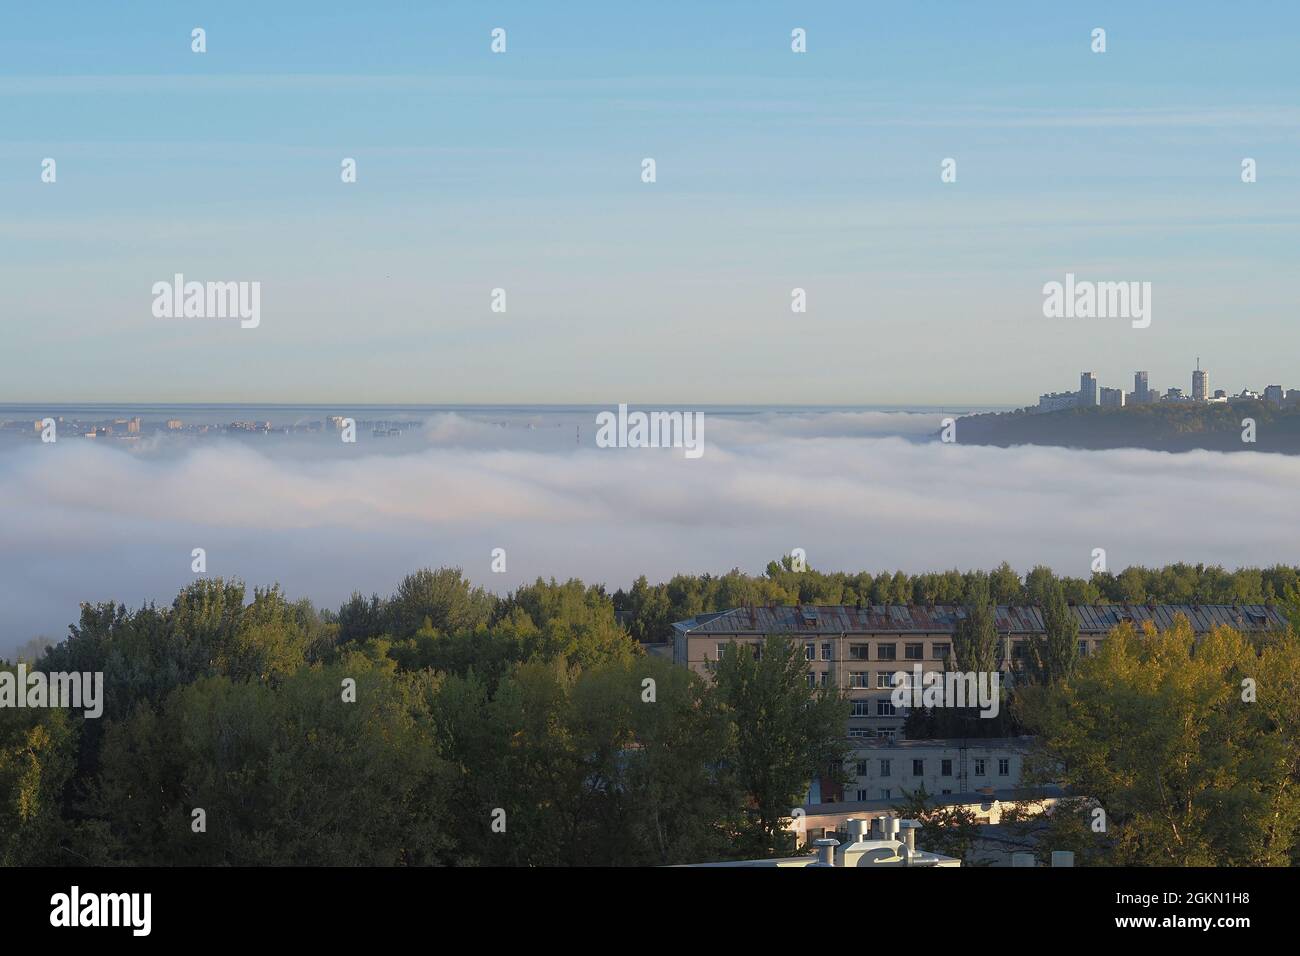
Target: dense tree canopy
[
  {"x": 439, "y": 725},
  {"x": 1182, "y": 751},
  {"x": 648, "y": 611},
  {"x": 442, "y": 724}
]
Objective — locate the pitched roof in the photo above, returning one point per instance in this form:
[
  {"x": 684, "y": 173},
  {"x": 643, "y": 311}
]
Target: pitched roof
[{"x": 1094, "y": 619}]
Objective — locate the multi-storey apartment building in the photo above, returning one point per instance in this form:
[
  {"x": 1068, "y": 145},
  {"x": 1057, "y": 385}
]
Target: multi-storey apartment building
[
  {"x": 886, "y": 769},
  {"x": 1088, "y": 394},
  {"x": 859, "y": 648},
  {"x": 1112, "y": 397},
  {"x": 1057, "y": 401},
  {"x": 1141, "y": 390}
]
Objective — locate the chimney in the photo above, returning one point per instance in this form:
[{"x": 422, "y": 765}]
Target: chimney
[
  {"x": 858, "y": 830},
  {"x": 826, "y": 850}
]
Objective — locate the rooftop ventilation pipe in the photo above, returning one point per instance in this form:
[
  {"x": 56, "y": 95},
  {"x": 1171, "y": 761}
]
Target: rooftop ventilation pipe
[{"x": 826, "y": 849}]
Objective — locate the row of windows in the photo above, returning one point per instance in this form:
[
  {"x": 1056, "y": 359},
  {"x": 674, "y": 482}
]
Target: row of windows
[
  {"x": 861, "y": 680},
  {"x": 1019, "y": 649},
  {"x": 866, "y": 733},
  {"x": 979, "y": 767},
  {"x": 884, "y": 793},
  {"x": 884, "y": 707},
  {"x": 912, "y": 651}
]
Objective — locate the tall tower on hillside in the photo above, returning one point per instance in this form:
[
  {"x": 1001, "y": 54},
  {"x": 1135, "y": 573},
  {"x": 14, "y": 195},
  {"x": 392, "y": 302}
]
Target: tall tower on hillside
[{"x": 1200, "y": 383}]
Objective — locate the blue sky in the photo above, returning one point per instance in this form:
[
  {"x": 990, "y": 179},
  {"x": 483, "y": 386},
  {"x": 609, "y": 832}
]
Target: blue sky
[{"x": 521, "y": 171}]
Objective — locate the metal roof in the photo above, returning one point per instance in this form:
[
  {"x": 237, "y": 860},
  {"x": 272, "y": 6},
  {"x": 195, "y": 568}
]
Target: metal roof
[{"x": 834, "y": 619}]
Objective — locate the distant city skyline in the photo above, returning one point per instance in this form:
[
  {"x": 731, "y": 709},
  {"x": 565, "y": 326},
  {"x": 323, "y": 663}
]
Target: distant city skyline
[
  {"x": 521, "y": 171},
  {"x": 1092, "y": 391}
]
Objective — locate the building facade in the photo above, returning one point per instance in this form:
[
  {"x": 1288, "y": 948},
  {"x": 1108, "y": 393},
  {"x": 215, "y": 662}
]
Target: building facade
[
  {"x": 1112, "y": 397},
  {"x": 1088, "y": 394},
  {"x": 1200, "y": 384},
  {"x": 858, "y": 649},
  {"x": 883, "y": 770},
  {"x": 1056, "y": 401}
]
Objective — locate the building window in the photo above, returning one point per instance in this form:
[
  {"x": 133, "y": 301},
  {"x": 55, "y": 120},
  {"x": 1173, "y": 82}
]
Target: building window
[
  {"x": 1083, "y": 648},
  {"x": 758, "y": 652},
  {"x": 914, "y": 652},
  {"x": 1018, "y": 649},
  {"x": 826, "y": 651},
  {"x": 858, "y": 652},
  {"x": 861, "y": 768},
  {"x": 885, "y": 767},
  {"x": 886, "y": 794},
  {"x": 886, "y": 734},
  {"x": 812, "y": 679},
  {"x": 1004, "y": 767},
  {"x": 862, "y": 796},
  {"x": 860, "y": 679},
  {"x": 945, "y": 768},
  {"x": 862, "y": 708},
  {"x": 946, "y": 792},
  {"x": 886, "y": 652},
  {"x": 810, "y": 651},
  {"x": 722, "y": 649},
  {"x": 979, "y": 766},
  {"x": 826, "y": 678},
  {"x": 918, "y": 768},
  {"x": 884, "y": 708},
  {"x": 859, "y": 732},
  {"x": 884, "y": 680},
  {"x": 939, "y": 651}
]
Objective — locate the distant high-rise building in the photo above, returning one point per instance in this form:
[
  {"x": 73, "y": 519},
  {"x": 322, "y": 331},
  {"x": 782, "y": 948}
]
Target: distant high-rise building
[
  {"x": 1088, "y": 394},
  {"x": 1200, "y": 383},
  {"x": 1273, "y": 394},
  {"x": 1112, "y": 397},
  {"x": 1140, "y": 390}
]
